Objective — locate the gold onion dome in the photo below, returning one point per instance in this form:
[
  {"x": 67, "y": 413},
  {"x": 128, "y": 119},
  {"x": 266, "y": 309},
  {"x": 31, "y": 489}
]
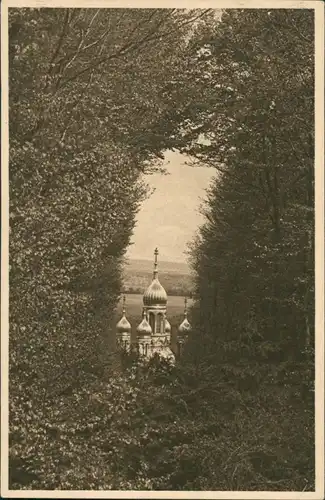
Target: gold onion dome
[
  {"x": 123, "y": 326},
  {"x": 185, "y": 326},
  {"x": 155, "y": 293},
  {"x": 144, "y": 328}
]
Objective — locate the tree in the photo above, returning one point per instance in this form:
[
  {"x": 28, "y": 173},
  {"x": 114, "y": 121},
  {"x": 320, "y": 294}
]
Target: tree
[
  {"x": 87, "y": 91},
  {"x": 84, "y": 102},
  {"x": 253, "y": 121},
  {"x": 262, "y": 197}
]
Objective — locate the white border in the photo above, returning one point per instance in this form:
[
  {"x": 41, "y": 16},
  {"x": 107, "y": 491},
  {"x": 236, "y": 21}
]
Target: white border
[{"x": 318, "y": 7}]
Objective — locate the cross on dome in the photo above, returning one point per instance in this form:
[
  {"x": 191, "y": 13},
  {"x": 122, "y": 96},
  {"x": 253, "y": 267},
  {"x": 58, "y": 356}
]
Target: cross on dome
[{"x": 155, "y": 269}]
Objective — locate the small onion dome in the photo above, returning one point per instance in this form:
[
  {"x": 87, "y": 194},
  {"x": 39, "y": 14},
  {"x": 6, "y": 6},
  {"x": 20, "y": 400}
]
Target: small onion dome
[
  {"x": 155, "y": 294},
  {"x": 123, "y": 326},
  {"x": 184, "y": 327},
  {"x": 144, "y": 329},
  {"x": 167, "y": 326}
]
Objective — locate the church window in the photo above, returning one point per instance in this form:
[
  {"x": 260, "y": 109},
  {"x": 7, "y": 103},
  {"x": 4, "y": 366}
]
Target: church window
[{"x": 159, "y": 323}]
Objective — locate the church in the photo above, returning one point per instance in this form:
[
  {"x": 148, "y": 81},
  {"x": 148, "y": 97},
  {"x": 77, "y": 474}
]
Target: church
[{"x": 153, "y": 334}]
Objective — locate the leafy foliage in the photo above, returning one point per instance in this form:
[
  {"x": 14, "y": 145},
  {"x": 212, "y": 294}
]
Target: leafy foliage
[
  {"x": 254, "y": 256},
  {"x": 79, "y": 82},
  {"x": 161, "y": 427},
  {"x": 85, "y": 102}
]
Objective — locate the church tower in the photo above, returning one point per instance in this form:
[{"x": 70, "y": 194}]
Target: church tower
[
  {"x": 123, "y": 331},
  {"x": 155, "y": 301},
  {"x": 183, "y": 331}
]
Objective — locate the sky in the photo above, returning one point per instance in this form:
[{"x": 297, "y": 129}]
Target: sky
[{"x": 170, "y": 217}]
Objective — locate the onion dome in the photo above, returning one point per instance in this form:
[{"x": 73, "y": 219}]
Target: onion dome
[
  {"x": 123, "y": 326},
  {"x": 168, "y": 328},
  {"x": 144, "y": 329},
  {"x": 155, "y": 293},
  {"x": 185, "y": 326}
]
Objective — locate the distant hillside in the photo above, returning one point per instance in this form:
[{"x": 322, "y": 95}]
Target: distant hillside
[
  {"x": 140, "y": 265},
  {"x": 174, "y": 276}
]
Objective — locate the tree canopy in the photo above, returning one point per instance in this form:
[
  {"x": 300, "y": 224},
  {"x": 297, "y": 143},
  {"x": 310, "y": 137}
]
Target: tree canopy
[
  {"x": 87, "y": 89},
  {"x": 87, "y": 92},
  {"x": 254, "y": 256}
]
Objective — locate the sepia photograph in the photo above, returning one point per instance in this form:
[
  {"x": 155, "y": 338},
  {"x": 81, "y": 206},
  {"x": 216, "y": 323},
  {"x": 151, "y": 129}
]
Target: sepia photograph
[{"x": 162, "y": 266}]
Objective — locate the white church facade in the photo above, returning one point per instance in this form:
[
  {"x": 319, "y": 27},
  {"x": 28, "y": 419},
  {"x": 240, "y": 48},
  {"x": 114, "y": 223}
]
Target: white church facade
[{"x": 153, "y": 334}]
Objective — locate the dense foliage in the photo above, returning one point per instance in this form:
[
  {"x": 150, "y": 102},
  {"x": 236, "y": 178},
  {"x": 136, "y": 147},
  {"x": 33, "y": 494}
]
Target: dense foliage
[
  {"x": 88, "y": 91},
  {"x": 165, "y": 428},
  {"x": 79, "y": 84},
  {"x": 258, "y": 116},
  {"x": 254, "y": 256},
  {"x": 237, "y": 95}
]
